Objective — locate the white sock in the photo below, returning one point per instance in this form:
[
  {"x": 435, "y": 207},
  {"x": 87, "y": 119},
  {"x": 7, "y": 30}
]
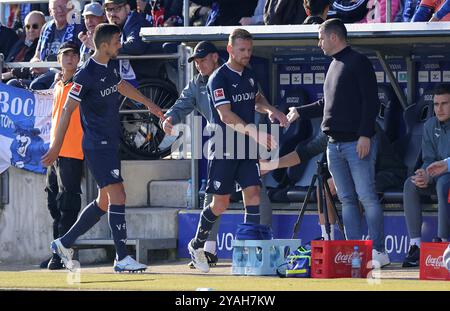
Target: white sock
[
  {"x": 210, "y": 247},
  {"x": 324, "y": 232},
  {"x": 444, "y": 240},
  {"x": 415, "y": 241},
  {"x": 332, "y": 232}
]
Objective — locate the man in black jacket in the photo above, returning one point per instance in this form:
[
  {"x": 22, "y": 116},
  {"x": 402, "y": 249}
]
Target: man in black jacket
[
  {"x": 316, "y": 10},
  {"x": 228, "y": 12},
  {"x": 9, "y": 37},
  {"x": 118, "y": 12},
  {"x": 349, "y": 108},
  {"x": 23, "y": 50},
  {"x": 284, "y": 12}
]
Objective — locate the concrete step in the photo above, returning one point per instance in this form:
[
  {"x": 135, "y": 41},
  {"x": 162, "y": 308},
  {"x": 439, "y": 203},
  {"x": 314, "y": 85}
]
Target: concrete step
[
  {"x": 143, "y": 223},
  {"x": 168, "y": 193},
  {"x": 138, "y": 174}
]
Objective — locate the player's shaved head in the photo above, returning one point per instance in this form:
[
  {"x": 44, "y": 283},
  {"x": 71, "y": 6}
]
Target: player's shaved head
[{"x": 104, "y": 33}]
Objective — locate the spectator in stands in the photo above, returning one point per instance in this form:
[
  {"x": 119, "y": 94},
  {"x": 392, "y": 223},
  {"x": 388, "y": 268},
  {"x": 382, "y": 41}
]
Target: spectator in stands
[
  {"x": 227, "y": 12},
  {"x": 167, "y": 13},
  {"x": 377, "y": 11},
  {"x": 61, "y": 29},
  {"x": 258, "y": 15},
  {"x": 349, "y": 108},
  {"x": 93, "y": 15},
  {"x": 284, "y": 12},
  {"x": 349, "y": 11},
  {"x": 9, "y": 38},
  {"x": 438, "y": 10},
  {"x": 433, "y": 11},
  {"x": 409, "y": 7},
  {"x": 431, "y": 178},
  {"x": 118, "y": 12},
  {"x": 64, "y": 176},
  {"x": 198, "y": 14},
  {"x": 316, "y": 10},
  {"x": 23, "y": 50}
]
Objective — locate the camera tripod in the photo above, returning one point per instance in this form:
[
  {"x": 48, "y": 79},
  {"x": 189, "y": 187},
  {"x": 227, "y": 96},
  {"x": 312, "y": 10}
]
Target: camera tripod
[{"x": 323, "y": 188}]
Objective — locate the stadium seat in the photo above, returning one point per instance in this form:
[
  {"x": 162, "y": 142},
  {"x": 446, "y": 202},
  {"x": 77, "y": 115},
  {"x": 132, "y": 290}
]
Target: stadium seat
[
  {"x": 389, "y": 117},
  {"x": 409, "y": 146}
]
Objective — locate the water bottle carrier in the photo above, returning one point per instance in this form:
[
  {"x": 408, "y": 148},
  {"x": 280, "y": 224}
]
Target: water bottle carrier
[
  {"x": 332, "y": 259},
  {"x": 260, "y": 257},
  {"x": 431, "y": 261}
]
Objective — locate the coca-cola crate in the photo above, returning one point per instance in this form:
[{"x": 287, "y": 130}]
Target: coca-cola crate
[
  {"x": 332, "y": 259},
  {"x": 432, "y": 262}
]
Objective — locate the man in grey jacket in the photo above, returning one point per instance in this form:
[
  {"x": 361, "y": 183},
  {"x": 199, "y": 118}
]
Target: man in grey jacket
[
  {"x": 195, "y": 97},
  {"x": 426, "y": 181}
]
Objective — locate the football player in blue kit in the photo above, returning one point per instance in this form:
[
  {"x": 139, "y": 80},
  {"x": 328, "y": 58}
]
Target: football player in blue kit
[
  {"x": 96, "y": 88},
  {"x": 233, "y": 92}
]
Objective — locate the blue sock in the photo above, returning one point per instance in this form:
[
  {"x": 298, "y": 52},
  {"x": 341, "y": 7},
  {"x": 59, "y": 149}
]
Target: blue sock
[
  {"x": 118, "y": 226},
  {"x": 252, "y": 214},
  {"x": 87, "y": 219},
  {"x": 205, "y": 224}
]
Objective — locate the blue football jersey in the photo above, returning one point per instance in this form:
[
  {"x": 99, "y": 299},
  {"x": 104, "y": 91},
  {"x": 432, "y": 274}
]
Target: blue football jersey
[
  {"x": 95, "y": 87},
  {"x": 239, "y": 89}
]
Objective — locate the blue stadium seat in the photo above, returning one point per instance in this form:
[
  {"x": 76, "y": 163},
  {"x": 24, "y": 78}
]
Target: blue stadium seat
[
  {"x": 390, "y": 117},
  {"x": 409, "y": 146}
]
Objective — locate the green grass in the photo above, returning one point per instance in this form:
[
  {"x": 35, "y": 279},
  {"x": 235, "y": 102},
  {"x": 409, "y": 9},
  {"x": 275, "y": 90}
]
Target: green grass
[{"x": 176, "y": 282}]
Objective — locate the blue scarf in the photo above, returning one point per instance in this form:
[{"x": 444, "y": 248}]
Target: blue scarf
[{"x": 48, "y": 34}]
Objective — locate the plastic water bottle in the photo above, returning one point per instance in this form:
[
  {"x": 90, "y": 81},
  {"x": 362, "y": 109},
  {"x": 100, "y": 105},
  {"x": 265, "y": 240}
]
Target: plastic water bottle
[
  {"x": 189, "y": 194},
  {"x": 356, "y": 263},
  {"x": 202, "y": 194}
]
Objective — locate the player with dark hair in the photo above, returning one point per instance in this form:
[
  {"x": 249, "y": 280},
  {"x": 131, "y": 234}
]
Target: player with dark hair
[
  {"x": 349, "y": 109},
  {"x": 96, "y": 88}
]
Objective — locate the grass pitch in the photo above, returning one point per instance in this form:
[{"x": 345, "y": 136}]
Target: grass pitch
[{"x": 178, "y": 277}]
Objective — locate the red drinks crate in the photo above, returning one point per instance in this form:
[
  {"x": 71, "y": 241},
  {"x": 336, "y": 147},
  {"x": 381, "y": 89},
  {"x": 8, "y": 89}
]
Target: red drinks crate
[
  {"x": 332, "y": 259},
  {"x": 432, "y": 262}
]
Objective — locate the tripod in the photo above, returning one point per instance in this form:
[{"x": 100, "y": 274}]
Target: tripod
[{"x": 323, "y": 188}]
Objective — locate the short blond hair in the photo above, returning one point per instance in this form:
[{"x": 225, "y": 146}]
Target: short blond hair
[{"x": 239, "y": 33}]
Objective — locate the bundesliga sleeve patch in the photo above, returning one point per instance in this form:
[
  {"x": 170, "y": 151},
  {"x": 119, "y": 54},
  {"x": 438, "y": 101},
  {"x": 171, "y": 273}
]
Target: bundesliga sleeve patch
[
  {"x": 76, "y": 89},
  {"x": 219, "y": 94}
]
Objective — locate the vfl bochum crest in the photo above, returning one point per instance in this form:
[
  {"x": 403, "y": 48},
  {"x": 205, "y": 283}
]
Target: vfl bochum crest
[
  {"x": 24, "y": 128},
  {"x": 115, "y": 173},
  {"x": 216, "y": 184}
]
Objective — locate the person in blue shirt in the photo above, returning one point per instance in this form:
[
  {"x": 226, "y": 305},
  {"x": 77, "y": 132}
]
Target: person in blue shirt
[
  {"x": 58, "y": 30},
  {"x": 233, "y": 94},
  {"x": 96, "y": 88}
]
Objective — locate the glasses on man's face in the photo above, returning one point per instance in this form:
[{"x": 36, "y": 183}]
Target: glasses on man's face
[
  {"x": 114, "y": 9},
  {"x": 60, "y": 7},
  {"x": 34, "y": 26}
]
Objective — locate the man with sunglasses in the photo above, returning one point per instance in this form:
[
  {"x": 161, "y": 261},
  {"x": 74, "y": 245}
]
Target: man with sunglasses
[
  {"x": 55, "y": 32},
  {"x": 23, "y": 50},
  {"x": 118, "y": 12}
]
